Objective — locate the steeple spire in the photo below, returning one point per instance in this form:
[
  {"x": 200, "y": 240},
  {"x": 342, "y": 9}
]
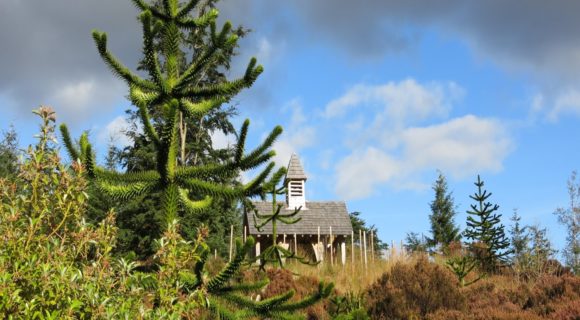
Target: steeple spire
[{"x": 295, "y": 180}]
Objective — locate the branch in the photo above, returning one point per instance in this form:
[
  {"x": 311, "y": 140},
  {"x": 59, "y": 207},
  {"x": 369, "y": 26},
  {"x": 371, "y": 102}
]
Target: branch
[{"x": 117, "y": 68}]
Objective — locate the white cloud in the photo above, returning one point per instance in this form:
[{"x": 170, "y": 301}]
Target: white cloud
[
  {"x": 360, "y": 172},
  {"x": 460, "y": 147},
  {"x": 566, "y": 103},
  {"x": 399, "y": 102},
  {"x": 400, "y": 130},
  {"x": 220, "y": 140},
  {"x": 297, "y": 133},
  {"x": 115, "y": 130}
]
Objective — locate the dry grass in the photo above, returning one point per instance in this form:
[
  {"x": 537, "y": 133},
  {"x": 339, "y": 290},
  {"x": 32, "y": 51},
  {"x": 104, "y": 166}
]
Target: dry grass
[{"x": 352, "y": 277}]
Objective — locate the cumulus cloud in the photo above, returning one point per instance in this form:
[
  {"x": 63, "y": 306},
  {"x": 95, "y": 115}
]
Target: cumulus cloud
[
  {"x": 360, "y": 172},
  {"x": 403, "y": 129},
  {"x": 298, "y": 133},
  {"x": 400, "y": 102},
  {"x": 114, "y": 132},
  {"x": 461, "y": 147},
  {"x": 48, "y": 56}
]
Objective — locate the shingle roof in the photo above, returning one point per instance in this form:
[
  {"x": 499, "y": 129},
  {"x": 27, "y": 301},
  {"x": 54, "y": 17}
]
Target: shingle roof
[
  {"x": 318, "y": 214},
  {"x": 295, "y": 170}
]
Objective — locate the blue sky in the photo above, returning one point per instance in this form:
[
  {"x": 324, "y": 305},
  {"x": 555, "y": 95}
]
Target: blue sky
[{"x": 374, "y": 96}]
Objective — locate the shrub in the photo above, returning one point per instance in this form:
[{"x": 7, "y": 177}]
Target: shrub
[{"x": 413, "y": 290}]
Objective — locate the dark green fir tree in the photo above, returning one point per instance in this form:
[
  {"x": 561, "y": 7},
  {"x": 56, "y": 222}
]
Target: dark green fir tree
[
  {"x": 443, "y": 228},
  {"x": 489, "y": 243}
]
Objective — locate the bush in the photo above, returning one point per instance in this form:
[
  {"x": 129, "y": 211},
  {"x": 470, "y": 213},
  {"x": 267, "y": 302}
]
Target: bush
[
  {"x": 412, "y": 291},
  {"x": 54, "y": 265}
]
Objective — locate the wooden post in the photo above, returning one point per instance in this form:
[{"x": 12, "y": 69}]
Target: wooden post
[
  {"x": 245, "y": 233},
  {"x": 352, "y": 250},
  {"x": 231, "y": 241},
  {"x": 365, "y": 247},
  {"x": 343, "y": 253},
  {"x": 215, "y": 253},
  {"x": 284, "y": 239},
  {"x": 319, "y": 245},
  {"x": 331, "y": 253},
  {"x": 295, "y": 244},
  {"x": 372, "y": 246},
  {"x": 360, "y": 241}
]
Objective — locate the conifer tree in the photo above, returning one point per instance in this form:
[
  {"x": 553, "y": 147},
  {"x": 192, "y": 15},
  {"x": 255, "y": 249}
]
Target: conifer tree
[
  {"x": 570, "y": 218},
  {"x": 171, "y": 91},
  {"x": 519, "y": 240},
  {"x": 443, "y": 228},
  {"x": 489, "y": 242},
  {"x": 195, "y": 147}
]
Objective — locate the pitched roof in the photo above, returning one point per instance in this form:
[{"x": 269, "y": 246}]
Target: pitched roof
[
  {"x": 318, "y": 214},
  {"x": 295, "y": 170}
]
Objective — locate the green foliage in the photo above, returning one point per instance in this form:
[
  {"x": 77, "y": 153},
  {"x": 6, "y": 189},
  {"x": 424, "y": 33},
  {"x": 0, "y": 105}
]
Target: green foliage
[
  {"x": 358, "y": 224},
  {"x": 53, "y": 264},
  {"x": 9, "y": 153},
  {"x": 443, "y": 228},
  {"x": 172, "y": 91},
  {"x": 462, "y": 266},
  {"x": 415, "y": 243},
  {"x": 349, "y": 306},
  {"x": 489, "y": 242},
  {"x": 570, "y": 218},
  {"x": 195, "y": 148}
]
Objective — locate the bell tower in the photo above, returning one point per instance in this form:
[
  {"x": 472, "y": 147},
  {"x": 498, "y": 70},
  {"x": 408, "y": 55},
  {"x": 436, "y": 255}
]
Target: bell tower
[{"x": 295, "y": 180}]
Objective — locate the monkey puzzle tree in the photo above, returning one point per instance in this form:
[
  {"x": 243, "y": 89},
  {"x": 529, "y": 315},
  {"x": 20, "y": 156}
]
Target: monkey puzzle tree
[
  {"x": 170, "y": 92},
  {"x": 275, "y": 253},
  {"x": 484, "y": 228}
]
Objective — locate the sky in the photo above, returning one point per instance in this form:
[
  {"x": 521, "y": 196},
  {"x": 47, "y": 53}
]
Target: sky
[{"x": 375, "y": 97}]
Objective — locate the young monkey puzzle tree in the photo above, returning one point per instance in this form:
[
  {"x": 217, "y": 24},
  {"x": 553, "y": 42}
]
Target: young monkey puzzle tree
[
  {"x": 484, "y": 228},
  {"x": 172, "y": 92},
  {"x": 276, "y": 254}
]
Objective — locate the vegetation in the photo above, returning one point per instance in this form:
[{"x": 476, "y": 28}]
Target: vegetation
[
  {"x": 489, "y": 243},
  {"x": 8, "y": 153},
  {"x": 570, "y": 218},
  {"x": 195, "y": 147},
  {"x": 360, "y": 225},
  {"x": 64, "y": 254},
  {"x": 443, "y": 228}
]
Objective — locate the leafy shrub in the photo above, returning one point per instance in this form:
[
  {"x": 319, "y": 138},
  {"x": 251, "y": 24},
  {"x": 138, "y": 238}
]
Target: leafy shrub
[{"x": 413, "y": 290}]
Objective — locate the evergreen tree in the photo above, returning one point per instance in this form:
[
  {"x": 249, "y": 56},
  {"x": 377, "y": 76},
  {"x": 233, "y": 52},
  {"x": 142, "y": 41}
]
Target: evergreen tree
[
  {"x": 489, "y": 242},
  {"x": 519, "y": 240},
  {"x": 415, "y": 243},
  {"x": 358, "y": 224},
  {"x": 190, "y": 187},
  {"x": 570, "y": 218},
  {"x": 171, "y": 92},
  {"x": 443, "y": 228},
  {"x": 195, "y": 147},
  {"x": 9, "y": 153}
]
